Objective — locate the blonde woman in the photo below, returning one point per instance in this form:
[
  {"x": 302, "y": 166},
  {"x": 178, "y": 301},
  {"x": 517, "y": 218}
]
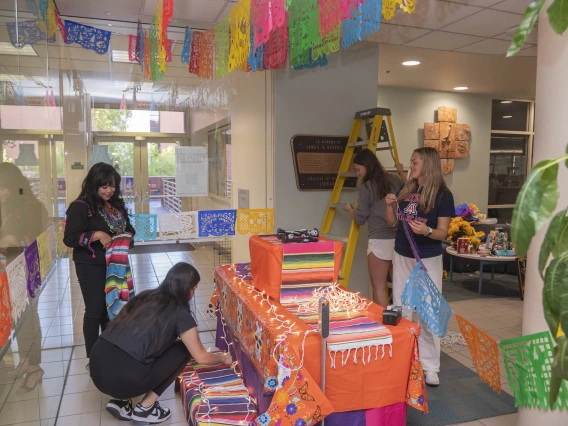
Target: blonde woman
[{"x": 427, "y": 204}]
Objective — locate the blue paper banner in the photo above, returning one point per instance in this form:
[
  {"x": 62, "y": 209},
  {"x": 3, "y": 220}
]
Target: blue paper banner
[
  {"x": 28, "y": 32},
  {"x": 88, "y": 37},
  {"x": 187, "y": 45},
  {"x": 145, "y": 225},
  {"x": 216, "y": 223},
  {"x": 422, "y": 296},
  {"x": 256, "y": 56}
]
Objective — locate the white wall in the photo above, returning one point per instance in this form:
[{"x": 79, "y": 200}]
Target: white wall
[
  {"x": 250, "y": 115},
  {"x": 411, "y": 108},
  {"x": 321, "y": 101}
]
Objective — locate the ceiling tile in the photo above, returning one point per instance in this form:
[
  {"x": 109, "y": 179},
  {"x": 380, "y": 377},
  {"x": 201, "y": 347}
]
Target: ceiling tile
[
  {"x": 126, "y": 10},
  {"x": 396, "y": 34},
  {"x": 530, "y": 51},
  {"x": 479, "y": 3},
  {"x": 514, "y": 6},
  {"x": 531, "y": 39},
  {"x": 443, "y": 41},
  {"x": 434, "y": 15},
  {"x": 191, "y": 10},
  {"x": 487, "y": 23},
  {"x": 488, "y": 46}
]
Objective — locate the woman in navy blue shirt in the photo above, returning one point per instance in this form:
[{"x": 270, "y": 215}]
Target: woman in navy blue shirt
[{"x": 427, "y": 204}]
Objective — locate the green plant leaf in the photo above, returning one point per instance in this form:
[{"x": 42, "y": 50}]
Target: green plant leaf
[
  {"x": 555, "y": 241},
  {"x": 555, "y": 283},
  {"x": 560, "y": 361},
  {"x": 550, "y": 316},
  {"x": 525, "y": 27},
  {"x": 558, "y": 16},
  {"x": 535, "y": 204}
]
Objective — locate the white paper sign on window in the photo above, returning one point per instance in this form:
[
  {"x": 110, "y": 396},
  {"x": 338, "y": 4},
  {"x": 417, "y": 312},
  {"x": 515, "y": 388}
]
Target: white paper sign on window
[{"x": 192, "y": 175}]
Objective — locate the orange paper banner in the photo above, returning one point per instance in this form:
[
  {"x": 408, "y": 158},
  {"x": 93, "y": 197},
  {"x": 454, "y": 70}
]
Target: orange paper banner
[{"x": 484, "y": 352}]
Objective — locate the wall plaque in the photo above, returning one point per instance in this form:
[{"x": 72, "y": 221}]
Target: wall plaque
[{"x": 317, "y": 159}]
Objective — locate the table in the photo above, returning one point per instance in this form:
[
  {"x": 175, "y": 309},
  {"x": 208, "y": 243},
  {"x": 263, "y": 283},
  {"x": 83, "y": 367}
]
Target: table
[{"x": 487, "y": 260}]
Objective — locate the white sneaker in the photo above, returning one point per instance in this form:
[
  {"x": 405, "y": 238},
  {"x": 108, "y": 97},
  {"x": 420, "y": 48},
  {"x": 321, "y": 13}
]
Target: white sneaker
[
  {"x": 154, "y": 414},
  {"x": 432, "y": 378},
  {"x": 121, "y": 409}
]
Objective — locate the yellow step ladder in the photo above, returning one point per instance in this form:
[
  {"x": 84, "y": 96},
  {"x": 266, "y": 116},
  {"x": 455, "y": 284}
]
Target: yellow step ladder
[{"x": 376, "y": 121}]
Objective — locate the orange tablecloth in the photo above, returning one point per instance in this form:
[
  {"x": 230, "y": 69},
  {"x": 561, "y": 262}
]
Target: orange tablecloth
[{"x": 353, "y": 386}]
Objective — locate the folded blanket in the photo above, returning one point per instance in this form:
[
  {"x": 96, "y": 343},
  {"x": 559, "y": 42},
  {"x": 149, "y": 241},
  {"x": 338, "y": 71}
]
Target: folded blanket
[{"x": 119, "y": 287}]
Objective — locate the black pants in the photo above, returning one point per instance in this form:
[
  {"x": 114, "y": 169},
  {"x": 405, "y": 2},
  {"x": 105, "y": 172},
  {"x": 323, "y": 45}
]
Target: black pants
[
  {"x": 118, "y": 374},
  {"x": 92, "y": 280}
]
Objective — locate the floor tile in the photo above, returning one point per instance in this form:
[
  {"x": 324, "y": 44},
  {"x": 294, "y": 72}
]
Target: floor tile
[
  {"x": 79, "y": 383},
  {"x": 87, "y": 419},
  {"x": 80, "y": 403},
  {"x": 507, "y": 420},
  {"x": 19, "y": 412},
  {"x": 48, "y": 407}
]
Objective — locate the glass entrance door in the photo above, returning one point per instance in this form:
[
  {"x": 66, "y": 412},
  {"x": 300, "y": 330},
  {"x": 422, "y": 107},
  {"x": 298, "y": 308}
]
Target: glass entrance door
[{"x": 147, "y": 168}]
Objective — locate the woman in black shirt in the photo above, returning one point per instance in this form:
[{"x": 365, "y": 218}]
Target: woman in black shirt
[
  {"x": 92, "y": 220},
  {"x": 139, "y": 352}
]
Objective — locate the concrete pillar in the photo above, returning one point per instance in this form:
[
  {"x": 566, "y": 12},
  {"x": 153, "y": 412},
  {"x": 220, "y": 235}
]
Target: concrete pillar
[{"x": 550, "y": 141}]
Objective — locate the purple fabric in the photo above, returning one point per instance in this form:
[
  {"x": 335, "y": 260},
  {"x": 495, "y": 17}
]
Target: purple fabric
[
  {"x": 253, "y": 383},
  {"x": 410, "y": 236},
  {"x": 242, "y": 270},
  {"x": 32, "y": 262}
]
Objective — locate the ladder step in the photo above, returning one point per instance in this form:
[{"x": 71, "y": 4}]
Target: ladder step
[
  {"x": 336, "y": 205},
  {"x": 348, "y": 174},
  {"x": 369, "y": 113},
  {"x": 359, "y": 143},
  {"x": 336, "y": 238},
  {"x": 386, "y": 148}
]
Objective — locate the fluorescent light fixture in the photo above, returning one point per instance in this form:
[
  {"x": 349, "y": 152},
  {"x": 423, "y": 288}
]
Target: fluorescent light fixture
[
  {"x": 7, "y": 48},
  {"x": 410, "y": 63},
  {"x": 120, "y": 56},
  {"x": 506, "y": 102},
  {"x": 507, "y": 116},
  {"x": 11, "y": 77},
  {"x": 120, "y": 84},
  {"x": 147, "y": 86},
  {"x": 461, "y": 88}
]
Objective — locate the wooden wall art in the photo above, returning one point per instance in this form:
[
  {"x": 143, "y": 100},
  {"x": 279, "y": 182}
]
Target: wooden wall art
[{"x": 448, "y": 137}]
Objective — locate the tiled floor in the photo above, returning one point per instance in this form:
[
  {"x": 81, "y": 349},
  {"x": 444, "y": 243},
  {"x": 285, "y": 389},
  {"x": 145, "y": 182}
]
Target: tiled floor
[{"x": 52, "y": 335}]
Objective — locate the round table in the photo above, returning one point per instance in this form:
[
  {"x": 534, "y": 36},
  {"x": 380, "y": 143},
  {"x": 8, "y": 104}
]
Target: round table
[{"x": 486, "y": 260}]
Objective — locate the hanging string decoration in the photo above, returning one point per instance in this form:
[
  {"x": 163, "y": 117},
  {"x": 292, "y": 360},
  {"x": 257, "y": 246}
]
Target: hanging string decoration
[
  {"x": 32, "y": 7},
  {"x": 303, "y": 30},
  {"x": 187, "y": 45},
  {"x": 348, "y": 7},
  {"x": 155, "y": 65},
  {"x": 306, "y": 61},
  {"x": 528, "y": 361},
  {"x": 16, "y": 272},
  {"x": 351, "y": 29},
  {"x": 239, "y": 35},
  {"x": 147, "y": 56},
  {"x": 5, "y": 310},
  {"x": 329, "y": 44},
  {"x": 206, "y": 65},
  {"x": 28, "y": 32},
  {"x": 256, "y": 55},
  {"x": 167, "y": 15},
  {"x": 195, "y": 57},
  {"x": 216, "y": 223},
  {"x": 87, "y": 37},
  {"x": 222, "y": 44},
  {"x": 265, "y": 17},
  {"x": 276, "y": 50},
  {"x": 60, "y": 26},
  {"x": 484, "y": 353},
  {"x": 160, "y": 40},
  {"x": 371, "y": 11},
  {"x": 132, "y": 42},
  {"x": 416, "y": 395},
  {"x": 139, "y": 43},
  {"x": 255, "y": 221},
  {"x": 330, "y": 15},
  {"x": 49, "y": 25},
  {"x": 389, "y": 7}
]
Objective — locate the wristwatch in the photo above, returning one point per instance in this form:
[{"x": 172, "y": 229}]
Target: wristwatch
[{"x": 429, "y": 232}]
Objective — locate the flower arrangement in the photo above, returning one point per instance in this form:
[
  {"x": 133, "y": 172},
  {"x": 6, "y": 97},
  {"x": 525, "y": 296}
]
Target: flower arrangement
[
  {"x": 468, "y": 212},
  {"x": 460, "y": 228}
]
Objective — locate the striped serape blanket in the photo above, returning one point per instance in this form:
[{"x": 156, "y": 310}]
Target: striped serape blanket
[
  {"x": 310, "y": 266},
  {"x": 215, "y": 395},
  {"x": 119, "y": 286}
]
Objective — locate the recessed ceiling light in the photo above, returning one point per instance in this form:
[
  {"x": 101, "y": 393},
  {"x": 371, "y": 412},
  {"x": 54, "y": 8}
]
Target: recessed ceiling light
[
  {"x": 7, "y": 48},
  {"x": 461, "y": 88},
  {"x": 411, "y": 63},
  {"x": 507, "y": 116},
  {"x": 506, "y": 102},
  {"x": 108, "y": 13},
  {"x": 120, "y": 56},
  {"x": 110, "y": 25}
]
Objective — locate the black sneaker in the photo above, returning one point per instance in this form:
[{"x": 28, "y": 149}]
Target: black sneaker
[
  {"x": 120, "y": 409},
  {"x": 154, "y": 414}
]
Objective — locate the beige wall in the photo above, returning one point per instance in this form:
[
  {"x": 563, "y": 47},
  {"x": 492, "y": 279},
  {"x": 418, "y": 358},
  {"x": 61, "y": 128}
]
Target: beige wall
[
  {"x": 411, "y": 108},
  {"x": 321, "y": 101}
]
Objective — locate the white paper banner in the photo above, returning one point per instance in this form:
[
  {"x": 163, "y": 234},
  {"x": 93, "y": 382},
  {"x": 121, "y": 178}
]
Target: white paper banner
[{"x": 192, "y": 171}]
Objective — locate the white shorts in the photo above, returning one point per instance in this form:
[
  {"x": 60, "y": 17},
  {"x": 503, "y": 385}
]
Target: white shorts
[{"x": 383, "y": 249}]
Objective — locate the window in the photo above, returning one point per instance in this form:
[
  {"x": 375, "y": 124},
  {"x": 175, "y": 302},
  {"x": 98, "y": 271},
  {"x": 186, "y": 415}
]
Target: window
[
  {"x": 220, "y": 173},
  {"x": 510, "y": 155}
]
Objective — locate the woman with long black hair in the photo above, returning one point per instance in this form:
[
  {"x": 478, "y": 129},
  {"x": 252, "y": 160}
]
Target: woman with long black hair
[
  {"x": 92, "y": 220},
  {"x": 376, "y": 183},
  {"x": 139, "y": 352}
]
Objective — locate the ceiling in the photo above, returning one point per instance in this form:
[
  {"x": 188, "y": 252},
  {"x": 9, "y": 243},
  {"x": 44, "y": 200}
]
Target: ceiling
[{"x": 455, "y": 40}]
